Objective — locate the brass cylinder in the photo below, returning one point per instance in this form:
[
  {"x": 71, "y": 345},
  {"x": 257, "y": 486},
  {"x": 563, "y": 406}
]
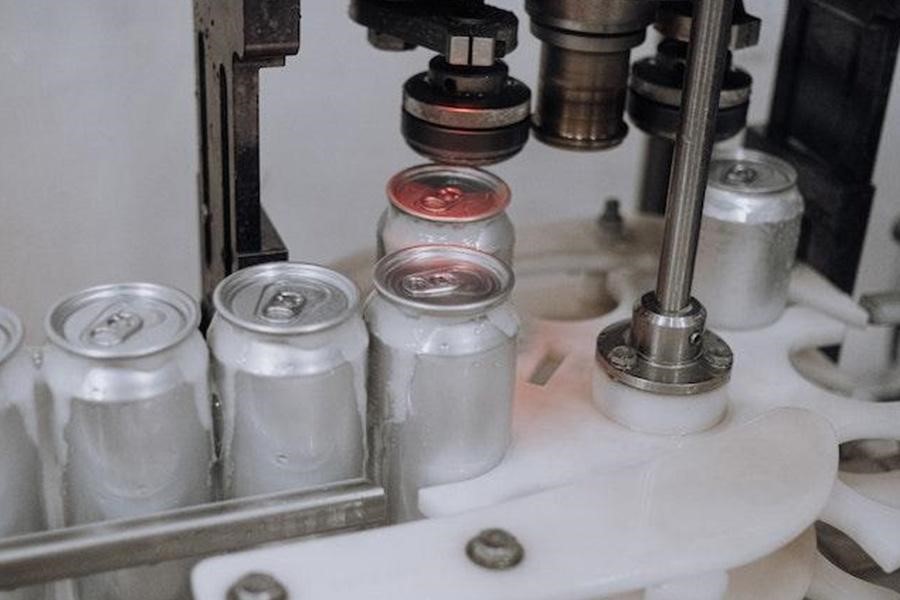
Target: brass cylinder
[{"x": 581, "y": 98}]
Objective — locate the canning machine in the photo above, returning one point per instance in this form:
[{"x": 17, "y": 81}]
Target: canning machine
[{"x": 677, "y": 427}]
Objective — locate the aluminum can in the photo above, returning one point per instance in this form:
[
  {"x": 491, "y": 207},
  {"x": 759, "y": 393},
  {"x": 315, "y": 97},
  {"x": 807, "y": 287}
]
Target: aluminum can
[
  {"x": 131, "y": 418},
  {"x": 748, "y": 239},
  {"x": 289, "y": 360},
  {"x": 443, "y": 204},
  {"x": 21, "y": 497},
  {"x": 442, "y": 369}
]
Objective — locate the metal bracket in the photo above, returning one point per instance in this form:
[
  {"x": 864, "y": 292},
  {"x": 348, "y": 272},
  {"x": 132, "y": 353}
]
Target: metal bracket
[
  {"x": 466, "y": 32},
  {"x": 234, "y": 40}
]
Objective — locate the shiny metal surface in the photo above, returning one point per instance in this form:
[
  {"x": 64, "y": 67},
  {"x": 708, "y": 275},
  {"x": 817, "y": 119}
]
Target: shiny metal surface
[
  {"x": 291, "y": 384},
  {"x": 131, "y": 421},
  {"x": 466, "y": 118},
  {"x": 584, "y": 68},
  {"x": 190, "y": 532},
  {"x": 675, "y": 354},
  {"x": 398, "y": 230},
  {"x": 752, "y": 173},
  {"x": 465, "y": 114},
  {"x": 449, "y": 280},
  {"x": 447, "y": 193},
  {"x": 581, "y": 98},
  {"x": 442, "y": 370},
  {"x": 693, "y": 146},
  {"x": 748, "y": 240},
  {"x": 654, "y": 183},
  {"x": 122, "y": 320},
  {"x": 592, "y": 17},
  {"x": 709, "y": 371},
  {"x": 447, "y": 205},
  {"x": 667, "y": 340},
  {"x": 21, "y": 497},
  {"x": 674, "y": 21},
  {"x": 286, "y": 298}
]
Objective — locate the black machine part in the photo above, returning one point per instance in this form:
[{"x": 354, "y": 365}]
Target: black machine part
[
  {"x": 465, "y": 109},
  {"x": 466, "y": 115},
  {"x": 466, "y": 32},
  {"x": 654, "y": 97},
  {"x": 835, "y": 69},
  {"x": 234, "y": 40}
]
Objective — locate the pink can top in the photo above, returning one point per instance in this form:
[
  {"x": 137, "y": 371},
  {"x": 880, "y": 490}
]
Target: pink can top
[{"x": 450, "y": 194}]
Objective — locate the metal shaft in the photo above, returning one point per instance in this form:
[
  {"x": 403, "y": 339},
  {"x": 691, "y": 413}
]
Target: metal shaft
[
  {"x": 693, "y": 147},
  {"x": 198, "y": 531},
  {"x": 655, "y": 177}
]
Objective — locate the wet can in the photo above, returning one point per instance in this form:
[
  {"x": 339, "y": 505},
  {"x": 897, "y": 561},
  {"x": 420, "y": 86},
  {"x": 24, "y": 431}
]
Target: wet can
[
  {"x": 444, "y": 204},
  {"x": 21, "y": 498},
  {"x": 289, "y": 360},
  {"x": 442, "y": 369},
  {"x": 131, "y": 418},
  {"x": 748, "y": 239}
]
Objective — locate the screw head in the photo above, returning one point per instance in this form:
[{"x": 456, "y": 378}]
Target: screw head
[
  {"x": 719, "y": 356},
  {"x": 495, "y": 549},
  {"x": 257, "y": 586},
  {"x": 623, "y": 358}
]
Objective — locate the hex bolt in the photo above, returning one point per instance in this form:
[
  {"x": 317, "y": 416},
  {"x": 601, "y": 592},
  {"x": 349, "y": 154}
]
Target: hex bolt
[
  {"x": 495, "y": 549},
  {"x": 257, "y": 586},
  {"x": 623, "y": 358}
]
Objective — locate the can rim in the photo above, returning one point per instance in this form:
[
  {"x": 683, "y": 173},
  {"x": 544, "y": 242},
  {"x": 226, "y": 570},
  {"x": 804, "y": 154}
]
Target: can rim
[
  {"x": 229, "y": 286},
  {"x": 755, "y": 155},
  {"x": 489, "y": 179},
  {"x": 499, "y": 268},
  {"x": 68, "y": 305},
  {"x": 10, "y": 322}
]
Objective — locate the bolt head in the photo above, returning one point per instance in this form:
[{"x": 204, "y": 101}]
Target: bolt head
[
  {"x": 495, "y": 549},
  {"x": 719, "y": 356},
  {"x": 623, "y": 358},
  {"x": 257, "y": 586}
]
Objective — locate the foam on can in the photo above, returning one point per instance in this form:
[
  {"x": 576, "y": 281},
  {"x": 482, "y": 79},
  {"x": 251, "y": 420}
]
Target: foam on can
[
  {"x": 748, "y": 239},
  {"x": 21, "y": 497},
  {"x": 289, "y": 349},
  {"x": 131, "y": 417},
  {"x": 444, "y": 204},
  {"x": 442, "y": 369}
]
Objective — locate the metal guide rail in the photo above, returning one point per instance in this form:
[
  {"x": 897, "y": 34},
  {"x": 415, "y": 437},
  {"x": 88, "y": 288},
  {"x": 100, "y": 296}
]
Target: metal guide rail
[{"x": 189, "y": 533}]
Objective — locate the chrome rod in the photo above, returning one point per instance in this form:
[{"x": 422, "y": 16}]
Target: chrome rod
[
  {"x": 693, "y": 146},
  {"x": 191, "y": 532}
]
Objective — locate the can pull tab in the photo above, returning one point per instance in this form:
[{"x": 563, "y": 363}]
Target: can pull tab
[
  {"x": 115, "y": 328},
  {"x": 741, "y": 173},
  {"x": 442, "y": 200},
  {"x": 283, "y": 305},
  {"x": 443, "y": 282}
]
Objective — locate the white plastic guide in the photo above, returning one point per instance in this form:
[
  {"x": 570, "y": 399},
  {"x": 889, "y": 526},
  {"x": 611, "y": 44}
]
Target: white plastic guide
[{"x": 601, "y": 509}]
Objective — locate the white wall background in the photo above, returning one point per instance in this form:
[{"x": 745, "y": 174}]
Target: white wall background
[{"x": 98, "y": 154}]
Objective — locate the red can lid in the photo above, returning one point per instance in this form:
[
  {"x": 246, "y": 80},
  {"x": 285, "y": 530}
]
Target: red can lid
[{"x": 448, "y": 194}]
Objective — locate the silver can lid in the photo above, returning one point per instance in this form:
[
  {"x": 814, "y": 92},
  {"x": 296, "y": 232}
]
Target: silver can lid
[
  {"x": 751, "y": 187},
  {"x": 286, "y": 298},
  {"x": 122, "y": 320},
  {"x": 444, "y": 279},
  {"x": 448, "y": 194},
  {"x": 11, "y": 333},
  {"x": 750, "y": 172}
]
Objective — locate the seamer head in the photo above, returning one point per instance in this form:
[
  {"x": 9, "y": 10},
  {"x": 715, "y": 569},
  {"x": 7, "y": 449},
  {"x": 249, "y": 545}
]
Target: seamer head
[{"x": 465, "y": 114}]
